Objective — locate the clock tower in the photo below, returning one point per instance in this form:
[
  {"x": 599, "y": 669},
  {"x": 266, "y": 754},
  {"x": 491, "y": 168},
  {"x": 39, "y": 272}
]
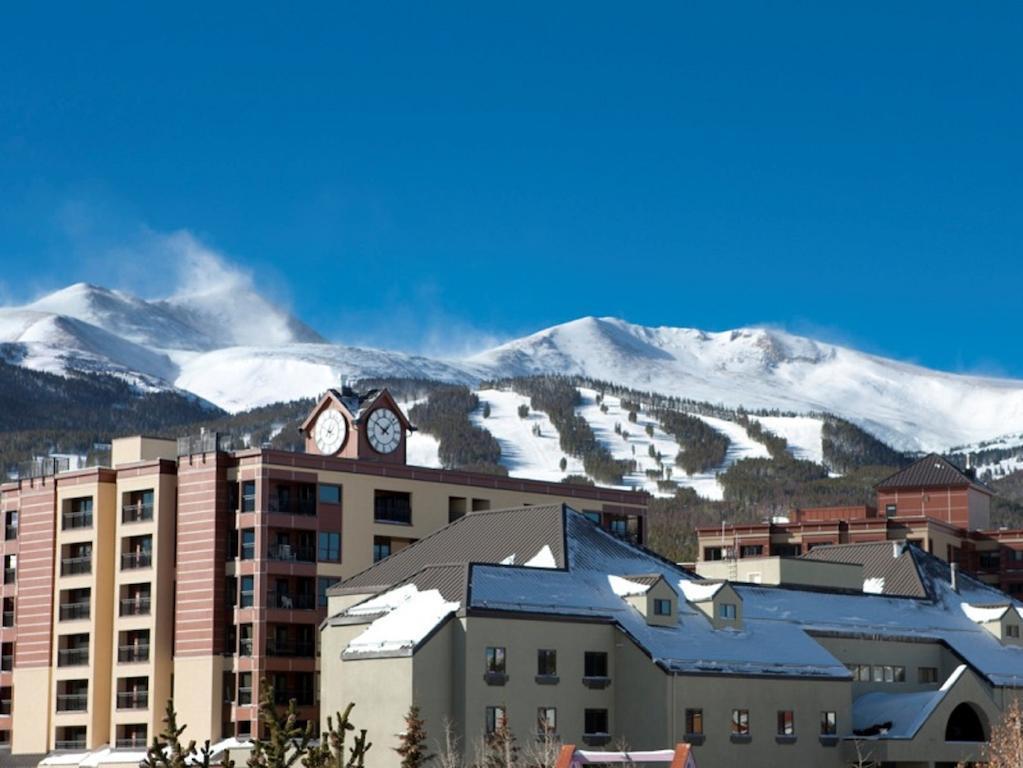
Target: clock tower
[{"x": 368, "y": 426}]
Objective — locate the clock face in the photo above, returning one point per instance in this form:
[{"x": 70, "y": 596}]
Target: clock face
[
  {"x": 330, "y": 432},
  {"x": 384, "y": 430}
]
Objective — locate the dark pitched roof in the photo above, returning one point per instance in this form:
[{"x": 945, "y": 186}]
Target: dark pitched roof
[
  {"x": 931, "y": 471},
  {"x": 478, "y": 537},
  {"x": 888, "y": 560}
]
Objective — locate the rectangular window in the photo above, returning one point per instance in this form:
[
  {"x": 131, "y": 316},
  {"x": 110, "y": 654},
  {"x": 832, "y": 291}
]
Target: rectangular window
[
  {"x": 694, "y": 722},
  {"x": 864, "y": 673},
  {"x": 889, "y": 510},
  {"x": 546, "y": 721},
  {"x": 900, "y": 674},
  {"x": 1012, "y": 630},
  {"x": 392, "y": 507},
  {"x": 713, "y": 553},
  {"x": 456, "y": 507},
  {"x": 495, "y": 660},
  {"x": 829, "y": 724},
  {"x": 662, "y": 607},
  {"x": 740, "y": 722},
  {"x": 786, "y": 722},
  {"x": 990, "y": 561},
  {"x": 889, "y": 673},
  {"x": 786, "y": 550},
  {"x": 11, "y": 526},
  {"x": 546, "y": 663},
  {"x": 244, "y": 688},
  {"x": 249, "y": 544},
  {"x": 595, "y": 722},
  {"x": 322, "y": 585},
  {"x": 878, "y": 676},
  {"x": 751, "y": 550},
  {"x": 329, "y": 546},
  {"x": 249, "y": 496},
  {"x": 248, "y": 589},
  {"x": 495, "y": 719},
  {"x": 381, "y": 548},
  {"x": 245, "y": 640},
  {"x": 595, "y": 664},
  {"x": 727, "y": 611},
  {"x": 330, "y": 494},
  {"x": 78, "y": 514}
]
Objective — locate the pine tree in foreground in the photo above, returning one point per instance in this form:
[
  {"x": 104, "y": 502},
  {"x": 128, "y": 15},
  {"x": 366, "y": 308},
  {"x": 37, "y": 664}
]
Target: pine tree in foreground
[
  {"x": 167, "y": 750},
  {"x": 412, "y": 745},
  {"x": 287, "y": 742},
  {"x": 331, "y": 751}
]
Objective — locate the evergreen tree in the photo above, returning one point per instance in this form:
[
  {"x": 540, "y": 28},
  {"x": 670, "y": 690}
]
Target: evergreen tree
[
  {"x": 331, "y": 751},
  {"x": 167, "y": 750},
  {"x": 412, "y": 747},
  {"x": 486, "y": 410},
  {"x": 563, "y": 463},
  {"x": 287, "y": 742},
  {"x": 523, "y": 411}
]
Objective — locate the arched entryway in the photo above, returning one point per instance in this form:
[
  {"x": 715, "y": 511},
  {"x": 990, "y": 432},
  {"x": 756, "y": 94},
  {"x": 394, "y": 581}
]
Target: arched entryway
[{"x": 966, "y": 723}]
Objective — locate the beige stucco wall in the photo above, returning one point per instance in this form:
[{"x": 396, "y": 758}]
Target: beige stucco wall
[
  {"x": 33, "y": 715},
  {"x": 778, "y": 570},
  {"x": 198, "y": 694},
  {"x": 128, "y": 450},
  {"x": 912, "y": 656}
]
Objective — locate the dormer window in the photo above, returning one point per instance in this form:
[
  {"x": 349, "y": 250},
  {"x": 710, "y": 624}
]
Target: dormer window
[
  {"x": 727, "y": 611},
  {"x": 662, "y": 607}
]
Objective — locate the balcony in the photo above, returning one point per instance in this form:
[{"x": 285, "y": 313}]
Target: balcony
[
  {"x": 287, "y": 506},
  {"x": 133, "y": 699},
  {"x": 392, "y": 509},
  {"x": 75, "y": 566},
  {"x": 291, "y": 553},
  {"x": 132, "y": 742},
  {"x": 291, "y": 602},
  {"x": 132, "y": 654},
  {"x": 72, "y": 702},
  {"x": 69, "y": 744},
  {"x": 132, "y": 560},
  {"x": 290, "y": 648},
  {"x": 137, "y": 513},
  {"x": 135, "y": 606},
  {"x": 74, "y": 520},
  {"x": 74, "y": 611},
  {"x": 72, "y": 657},
  {"x": 303, "y": 697}
]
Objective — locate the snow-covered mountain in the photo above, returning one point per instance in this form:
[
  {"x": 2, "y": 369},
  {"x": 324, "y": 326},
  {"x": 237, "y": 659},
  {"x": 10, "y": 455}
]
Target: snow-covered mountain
[{"x": 236, "y": 349}]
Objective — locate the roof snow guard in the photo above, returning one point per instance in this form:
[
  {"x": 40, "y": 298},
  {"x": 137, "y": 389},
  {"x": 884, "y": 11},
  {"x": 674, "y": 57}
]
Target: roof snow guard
[{"x": 481, "y": 565}]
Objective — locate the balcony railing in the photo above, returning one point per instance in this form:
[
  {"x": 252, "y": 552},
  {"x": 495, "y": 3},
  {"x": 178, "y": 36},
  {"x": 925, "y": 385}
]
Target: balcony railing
[
  {"x": 72, "y": 520},
  {"x": 72, "y": 657},
  {"x": 289, "y": 506},
  {"x": 72, "y": 566},
  {"x": 132, "y": 560},
  {"x": 135, "y": 606},
  {"x": 68, "y": 744},
  {"x": 130, "y": 654},
  {"x": 302, "y": 696},
  {"x": 293, "y": 648},
  {"x": 292, "y": 553},
  {"x": 73, "y": 611},
  {"x": 131, "y": 742},
  {"x": 392, "y": 510},
  {"x": 72, "y": 702},
  {"x": 132, "y": 699},
  {"x": 137, "y": 513},
  {"x": 291, "y": 602}
]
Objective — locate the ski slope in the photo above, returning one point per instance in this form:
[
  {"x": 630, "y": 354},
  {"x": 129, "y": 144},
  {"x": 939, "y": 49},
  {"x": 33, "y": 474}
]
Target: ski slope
[{"x": 803, "y": 434}]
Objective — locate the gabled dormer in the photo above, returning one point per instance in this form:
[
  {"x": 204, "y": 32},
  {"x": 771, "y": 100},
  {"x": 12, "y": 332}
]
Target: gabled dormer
[
  {"x": 651, "y": 595},
  {"x": 357, "y": 425},
  {"x": 717, "y": 599},
  {"x": 1003, "y": 620}
]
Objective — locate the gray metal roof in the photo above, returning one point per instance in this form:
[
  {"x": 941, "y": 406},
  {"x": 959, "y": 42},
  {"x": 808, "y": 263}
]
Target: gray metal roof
[
  {"x": 479, "y": 537},
  {"x": 930, "y": 471},
  {"x": 888, "y": 560}
]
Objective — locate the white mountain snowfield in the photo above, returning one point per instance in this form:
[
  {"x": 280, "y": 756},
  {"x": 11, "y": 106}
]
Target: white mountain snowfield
[{"x": 237, "y": 350}]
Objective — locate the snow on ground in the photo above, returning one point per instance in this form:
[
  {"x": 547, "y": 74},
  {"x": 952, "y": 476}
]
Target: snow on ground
[
  {"x": 522, "y": 452},
  {"x": 1001, "y": 468},
  {"x": 803, "y": 434},
  {"x": 421, "y": 449}
]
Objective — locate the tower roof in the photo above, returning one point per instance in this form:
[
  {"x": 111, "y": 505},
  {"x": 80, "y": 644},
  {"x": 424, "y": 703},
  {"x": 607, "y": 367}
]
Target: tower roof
[{"x": 929, "y": 472}]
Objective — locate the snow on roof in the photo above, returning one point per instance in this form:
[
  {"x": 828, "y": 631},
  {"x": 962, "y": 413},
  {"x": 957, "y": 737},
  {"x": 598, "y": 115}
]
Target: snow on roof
[
  {"x": 510, "y": 560},
  {"x": 901, "y": 715},
  {"x": 625, "y": 588},
  {"x": 411, "y": 616},
  {"x": 698, "y": 591},
  {"x": 984, "y": 613},
  {"x": 542, "y": 559},
  {"x": 874, "y": 586}
]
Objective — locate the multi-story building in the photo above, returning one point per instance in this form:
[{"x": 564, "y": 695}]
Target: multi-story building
[
  {"x": 187, "y": 570},
  {"x": 933, "y": 504},
  {"x": 537, "y": 619}
]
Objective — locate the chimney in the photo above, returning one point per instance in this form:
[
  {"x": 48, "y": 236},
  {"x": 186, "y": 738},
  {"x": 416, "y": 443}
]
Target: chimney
[
  {"x": 954, "y": 576},
  {"x": 896, "y": 549}
]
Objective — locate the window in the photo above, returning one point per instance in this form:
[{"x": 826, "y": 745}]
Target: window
[
  {"x": 322, "y": 585},
  {"x": 786, "y": 550},
  {"x": 727, "y": 611},
  {"x": 546, "y": 663},
  {"x": 247, "y": 591},
  {"x": 990, "y": 561},
  {"x": 662, "y": 607},
  {"x": 480, "y": 505},
  {"x": 740, "y": 722},
  {"x": 330, "y": 546},
  {"x": 713, "y": 553},
  {"x": 694, "y": 722},
  {"x": 595, "y": 664},
  {"x": 595, "y": 721},
  {"x": 926, "y": 675},
  {"x": 1012, "y": 630},
  {"x": 79, "y": 514},
  {"x": 249, "y": 496},
  {"x": 878, "y": 676},
  {"x": 786, "y": 722},
  {"x": 245, "y": 640},
  {"x": 381, "y": 548},
  {"x": 751, "y": 550},
  {"x": 8, "y": 613},
  {"x": 829, "y": 724},
  {"x": 900, "y": 674},
  {"x": 10, "y": 569},
  {"x": 592, "y": 515},
  {"x": 230, "y": 640},
  {"x": 863, "y": 673},
  {"x": 495, "y": 719},
  {"x": 392, "y": 507},
  {"x": 249, "y": 544},
  {"x": 11, "y": 526},
  {"x": 456, "y": 507},
  {"x": 889, "y": 673},
  {"x": 495, "y": 660},
  {"x": 244, "y": 688},
  {"x": 231, "y": 591},
  {"x": 330, "y": 494},
  {"x": 889, "y": 510},
  {"x": 546, "y": 721}
]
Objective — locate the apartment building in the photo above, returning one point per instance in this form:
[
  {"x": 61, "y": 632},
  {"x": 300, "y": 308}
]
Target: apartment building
[
  {"x": 933, "y": 504},
  {"x": 537, "y": 619},
  {"x": 187, "y": 570}
]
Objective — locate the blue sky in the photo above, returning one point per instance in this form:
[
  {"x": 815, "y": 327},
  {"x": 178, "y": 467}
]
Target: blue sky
[{"x": 425, "y": 175}]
